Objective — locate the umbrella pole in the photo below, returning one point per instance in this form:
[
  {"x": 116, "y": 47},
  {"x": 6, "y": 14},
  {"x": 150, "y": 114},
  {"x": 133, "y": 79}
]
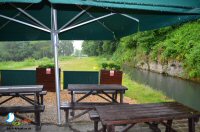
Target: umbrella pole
[{"x": 55, "y": 41}]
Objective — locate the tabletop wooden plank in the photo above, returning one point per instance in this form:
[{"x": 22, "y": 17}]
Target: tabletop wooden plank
[
  {"x": 95, "y": 87},
  {"x": 135, "y": 113},
  {"x": 149, "y": 107},
  {"x": 21, "y": 89}
]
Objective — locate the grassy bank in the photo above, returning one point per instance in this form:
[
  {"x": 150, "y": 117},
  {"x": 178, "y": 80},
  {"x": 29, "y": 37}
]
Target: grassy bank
[
  {"x": 142, "y": 93},
  {"x": 136, "y": 91}
]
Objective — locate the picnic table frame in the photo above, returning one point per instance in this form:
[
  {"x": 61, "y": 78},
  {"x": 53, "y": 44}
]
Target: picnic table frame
[
  {"x": 23, "y": 91},
  {"x": 151, "y": 114},
  {"x": 87, "y": 90},
  {"x": 97, "y": 89}
]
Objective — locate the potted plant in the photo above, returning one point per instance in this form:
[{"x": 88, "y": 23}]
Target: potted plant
[
  {"x": 110, "y": 74},
  {"x": 45, "y": 75}
]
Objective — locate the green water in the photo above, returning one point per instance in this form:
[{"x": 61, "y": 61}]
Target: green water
[{"x": 183, "y": 91}]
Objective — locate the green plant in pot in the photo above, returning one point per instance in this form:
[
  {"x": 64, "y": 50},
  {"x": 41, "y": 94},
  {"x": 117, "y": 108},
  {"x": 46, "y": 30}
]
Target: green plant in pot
[
  {"x": 110, "y": 74},
  {"x": 117, "y": 67},
  {"x": 45, "y": 75},
  {"x": 104, "y": 65},
  {"x": 46, "y": 66},
  {"x": 110, "y": 66}
]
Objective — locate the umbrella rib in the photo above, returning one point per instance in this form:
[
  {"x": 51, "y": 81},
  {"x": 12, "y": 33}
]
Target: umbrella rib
[
  {"x": 87, "y": 22},
  {"x": 31, "y": 17},
  {"x": 126, "y": 15},
  {"x": 74, "y": 18},
  {"x": 130, "y": 17},
  {"x": 102, "y": 24},
  {"x": 14, "y": 17},
  {"x": 24, "y": 23},
  {"x": 89, "y": 14}
]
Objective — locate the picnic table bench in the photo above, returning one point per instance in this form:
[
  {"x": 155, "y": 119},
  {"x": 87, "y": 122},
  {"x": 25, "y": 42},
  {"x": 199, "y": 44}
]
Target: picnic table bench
[
  {"x": 24, "y": 92},
  {"x": 79, "y": 106},
  {"x": 87, "y": 90},
  {"x": 151, "y": 114}
]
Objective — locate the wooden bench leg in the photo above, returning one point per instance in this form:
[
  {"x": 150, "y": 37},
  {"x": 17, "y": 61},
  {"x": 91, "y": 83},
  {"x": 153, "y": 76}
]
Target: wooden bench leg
[
  {"x": 110, "y": 128},
  {"x": 169, "y": 126},
  {"x": 67, "y": 116},
  {"x": 42, "y": 100},
  {"x": 116, "y": 96},
  {"x": 96, "y": 125},
  {"x": 104, "y": 128},
  {"x": 191, "y": 125},
  {"x": 37, "y": 120},
  {"x": 154, "y": 126},
  {"x": 113, "y": 97}
]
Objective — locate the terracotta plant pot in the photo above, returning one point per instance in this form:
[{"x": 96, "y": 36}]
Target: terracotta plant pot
[
  {"x": 111, "y": 77},
  {"x": 46, "y": 77}
]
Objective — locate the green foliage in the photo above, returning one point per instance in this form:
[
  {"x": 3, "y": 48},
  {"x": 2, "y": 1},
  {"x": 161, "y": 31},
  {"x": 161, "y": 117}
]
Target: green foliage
[
  {"x": 97, "y": 48},
  {"x": 90, "y": 48},
  {"x": 19, "y": 51},
  {"x": 180, "y": 43},
  {"x": 192, "y": 62},
  {"x": 104, "y": 65},
  {"x": 65, "y": 48},
  {"x": 110, "y": 66},
  {"x": 117, "y": 67},
  {"x": 46, "y": 66},
  {"x": 176, "y": 43}
]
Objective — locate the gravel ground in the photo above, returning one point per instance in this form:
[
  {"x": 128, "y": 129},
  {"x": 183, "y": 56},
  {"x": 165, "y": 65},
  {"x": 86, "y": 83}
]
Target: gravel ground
[{"x": 50, "y": 113}]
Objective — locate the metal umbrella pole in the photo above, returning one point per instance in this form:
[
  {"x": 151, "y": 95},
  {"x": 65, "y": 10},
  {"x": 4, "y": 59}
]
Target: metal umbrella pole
[{"x": 55, "y": 41}]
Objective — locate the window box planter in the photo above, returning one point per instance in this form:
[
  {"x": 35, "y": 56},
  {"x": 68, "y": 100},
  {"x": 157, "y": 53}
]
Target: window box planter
[
  {"x": 111, "y": 77},
  {"x": 46, "y": 77}
]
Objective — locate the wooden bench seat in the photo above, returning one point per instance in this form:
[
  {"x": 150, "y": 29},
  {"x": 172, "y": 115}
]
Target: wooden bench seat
[
  {"x": 15, "y": 94},
  {"x": 80, "y": 106},
  {"x": 94, "y": 92},
  {"x": 40, "y": 93},
  {"x": 40, "y": 97},
  {"x": 22, "y": 109},
  {"x": 94, "y": 116}
]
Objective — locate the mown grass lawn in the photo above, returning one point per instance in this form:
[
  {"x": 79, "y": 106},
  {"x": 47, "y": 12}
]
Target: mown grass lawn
[
  {"x": 138, "y": 92},
  {"x": 142, "y": 93}
]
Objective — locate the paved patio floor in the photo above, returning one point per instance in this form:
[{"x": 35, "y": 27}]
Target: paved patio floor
[
  {"x": 180, "y": 126},
  {"x": 83, "y": 124}
]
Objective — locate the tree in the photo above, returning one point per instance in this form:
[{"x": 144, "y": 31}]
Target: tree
[{"x": 65, "y": 48}]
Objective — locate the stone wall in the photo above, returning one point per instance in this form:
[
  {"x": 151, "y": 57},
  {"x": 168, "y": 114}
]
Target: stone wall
[{"x": 173, "y": 68}]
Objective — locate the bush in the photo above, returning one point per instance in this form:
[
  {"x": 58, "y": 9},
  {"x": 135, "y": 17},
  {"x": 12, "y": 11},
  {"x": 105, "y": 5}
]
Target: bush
[
  {"x": 104, "y": 65},
  {"x": 110, "y": 66},
  {"x": 46, "y": 66}
]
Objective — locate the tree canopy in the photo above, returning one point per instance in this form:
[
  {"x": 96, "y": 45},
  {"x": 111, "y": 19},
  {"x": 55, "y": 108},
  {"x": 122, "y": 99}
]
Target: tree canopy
[{"x": 18, "y": 51}]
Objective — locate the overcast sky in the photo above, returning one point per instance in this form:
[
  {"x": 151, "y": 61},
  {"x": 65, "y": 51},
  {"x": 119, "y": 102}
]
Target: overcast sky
[{"x": 77, "y": 44}]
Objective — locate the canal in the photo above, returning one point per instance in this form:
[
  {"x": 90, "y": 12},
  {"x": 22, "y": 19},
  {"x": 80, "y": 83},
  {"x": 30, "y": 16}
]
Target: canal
[{"x": 183, "y": 91}]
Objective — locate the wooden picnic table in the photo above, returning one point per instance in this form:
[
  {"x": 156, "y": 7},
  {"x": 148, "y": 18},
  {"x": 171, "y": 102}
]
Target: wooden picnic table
[
  {"x": 131, "y": 114},
  {"x": 87, "y": 90},
  {"x": 24, "y": 92},
  {"x": 97, "y": 89},
  {"x": 5, "y": 90}
]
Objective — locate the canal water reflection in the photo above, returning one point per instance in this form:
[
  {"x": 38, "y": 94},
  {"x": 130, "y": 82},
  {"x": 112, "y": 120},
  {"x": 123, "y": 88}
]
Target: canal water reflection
[{"x": 183, "y": 91}]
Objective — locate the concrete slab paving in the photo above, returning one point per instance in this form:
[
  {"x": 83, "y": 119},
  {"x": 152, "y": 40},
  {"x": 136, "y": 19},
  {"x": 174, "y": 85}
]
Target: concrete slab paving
[{"x": 86, "y": 127}]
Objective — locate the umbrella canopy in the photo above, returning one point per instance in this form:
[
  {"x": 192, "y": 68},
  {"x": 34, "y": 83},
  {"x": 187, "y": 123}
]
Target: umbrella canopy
[
  {"x": 22, "y": 20},
  {"x": 115, "y": 18}
]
